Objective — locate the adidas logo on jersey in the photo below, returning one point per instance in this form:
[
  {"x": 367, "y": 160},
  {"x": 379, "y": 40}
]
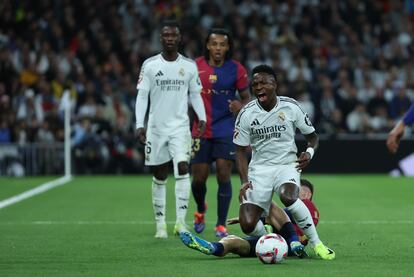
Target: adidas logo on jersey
[
  {"x": 255, "y": 122},
  {"x": 159, "y": 74}
]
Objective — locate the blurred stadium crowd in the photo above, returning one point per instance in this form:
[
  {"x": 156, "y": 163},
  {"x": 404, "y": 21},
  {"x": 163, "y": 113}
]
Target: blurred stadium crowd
[{"x": 350, "y": 63}]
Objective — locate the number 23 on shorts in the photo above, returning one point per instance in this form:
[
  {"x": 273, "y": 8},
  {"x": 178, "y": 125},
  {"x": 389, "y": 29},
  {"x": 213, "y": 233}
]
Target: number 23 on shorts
[{"x": 195, "y": 146}]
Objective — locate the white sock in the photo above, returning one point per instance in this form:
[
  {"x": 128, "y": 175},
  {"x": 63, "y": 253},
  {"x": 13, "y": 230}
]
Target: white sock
[
  {"x": 159, "y": 199},
  {"x": 304, "y": 220},
  {"x": 182, "y": 196},
  {"x": 259, "y": 230}
]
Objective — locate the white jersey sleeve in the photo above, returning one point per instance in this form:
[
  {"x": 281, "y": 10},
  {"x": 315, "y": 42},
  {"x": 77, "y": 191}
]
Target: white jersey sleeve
[
  {"x": 144, "y": 81},
  {"x": 302, "y": 121},
  {"x": 241, "y": 134},
  {"x": 195, "y": 83},
  {"x": 141, "y": 105}
]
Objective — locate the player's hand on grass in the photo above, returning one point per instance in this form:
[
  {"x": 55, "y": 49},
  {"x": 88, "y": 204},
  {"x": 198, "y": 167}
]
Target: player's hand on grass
[
  {"x": 232, "y": 221},
  {"x": 142, "y": 135},
  {"x": 303, "y": 161},
  {"x": 235, "y": 106},
  {"x": 243, "y": 189},
  {"x": 201, "y": 128}
]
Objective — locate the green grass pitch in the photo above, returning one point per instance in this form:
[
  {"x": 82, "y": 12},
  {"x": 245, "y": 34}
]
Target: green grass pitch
[{"x": 103, "y": 226}]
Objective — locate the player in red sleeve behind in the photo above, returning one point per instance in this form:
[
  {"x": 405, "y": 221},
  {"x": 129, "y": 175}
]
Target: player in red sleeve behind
[{"x": 222, "y": 78}]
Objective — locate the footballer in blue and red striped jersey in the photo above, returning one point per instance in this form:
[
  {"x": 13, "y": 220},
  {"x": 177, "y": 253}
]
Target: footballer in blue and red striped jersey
[
  {"x": 220, "y": 86},
  {"x": 225, "y": 92}
]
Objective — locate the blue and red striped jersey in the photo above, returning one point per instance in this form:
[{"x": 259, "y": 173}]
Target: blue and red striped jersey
[{"x": 219, "y": 87}]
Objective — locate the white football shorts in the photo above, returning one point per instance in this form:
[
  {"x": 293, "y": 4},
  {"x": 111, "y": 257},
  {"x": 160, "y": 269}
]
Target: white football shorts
[
  {"x": 267, "y": 180},
  {"x": 160, "y": 149}
]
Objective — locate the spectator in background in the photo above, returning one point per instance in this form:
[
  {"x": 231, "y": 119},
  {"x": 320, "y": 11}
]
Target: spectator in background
[
  {"x": 30, "y": 110},
  {"x": 358, "y": 119},
  {"x": 400, "y": 103},
  {"x": 372, "y": 41},
  {"x": 44, "y": 133},
  {"x": 5, "y": 134},
  {"x": 89, "y": 152}
]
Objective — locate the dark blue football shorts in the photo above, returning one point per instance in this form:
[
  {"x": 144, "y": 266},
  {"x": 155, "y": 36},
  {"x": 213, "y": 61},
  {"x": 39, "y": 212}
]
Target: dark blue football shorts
[{"x": 208, "y": 150}]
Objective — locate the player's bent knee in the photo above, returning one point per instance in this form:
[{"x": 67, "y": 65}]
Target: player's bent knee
[
  {"x": 289, "y": 193},
  {"x": 247, "y": 226},
  {"x": 288, "y": 200},
  {"x": 160, "y": 175},
  {"x": 247, "y": 229},
  {"x": 182, "y": 168},
  {"x": 160, "y": 172}
]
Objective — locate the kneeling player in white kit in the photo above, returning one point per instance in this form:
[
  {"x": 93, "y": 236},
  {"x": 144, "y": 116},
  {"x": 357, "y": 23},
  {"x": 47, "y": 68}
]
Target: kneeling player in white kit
[
  {"x": 268, "y": 124},
  {"x": 169, "y": 79}
]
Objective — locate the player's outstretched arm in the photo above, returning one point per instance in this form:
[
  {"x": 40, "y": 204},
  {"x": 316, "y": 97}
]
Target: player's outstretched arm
[
  {"x": 233, "y": 220},
  {"x": 395, "y": 135}
]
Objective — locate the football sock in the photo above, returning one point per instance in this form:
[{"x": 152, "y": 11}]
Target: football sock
[
  {"x": 218, "y": 248},
  {"x": 199, "y": 192},
  {"x": 259, "y": 230},
  {"x": 223, "y": 202},
  {"x": 182, "y": 194},
  {"x": 159, "y": 199},
  {"x": 304, "y": 220},
  {"x": 288, "y": 232}
]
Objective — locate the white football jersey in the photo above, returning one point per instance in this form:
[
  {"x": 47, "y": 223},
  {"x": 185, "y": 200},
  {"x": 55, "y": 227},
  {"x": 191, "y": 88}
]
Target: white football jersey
[
  {"x": 168, "y": 84},
  {"x": 271, "y": 134}
]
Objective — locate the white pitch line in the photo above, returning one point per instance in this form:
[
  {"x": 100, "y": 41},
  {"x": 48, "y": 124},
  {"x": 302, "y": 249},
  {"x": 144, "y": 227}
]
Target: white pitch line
[
  {"x": 334, "y": 222},
  {"x": 35, "y": 191}
]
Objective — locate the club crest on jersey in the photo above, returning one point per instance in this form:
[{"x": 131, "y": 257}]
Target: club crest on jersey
[
  {"x": 281, "y": 116},
  {"x": 181, "y": 72},
  {"x": 212, "y": 78}
]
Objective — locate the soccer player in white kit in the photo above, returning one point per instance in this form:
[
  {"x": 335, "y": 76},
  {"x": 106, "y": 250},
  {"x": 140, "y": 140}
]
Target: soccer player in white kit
[
  {"x": 169, "y": 80},
  {"x": 268, "y": 124}
]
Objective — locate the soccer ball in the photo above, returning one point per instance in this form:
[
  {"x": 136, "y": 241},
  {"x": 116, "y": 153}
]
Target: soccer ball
[{"x": 271, "y": 249}]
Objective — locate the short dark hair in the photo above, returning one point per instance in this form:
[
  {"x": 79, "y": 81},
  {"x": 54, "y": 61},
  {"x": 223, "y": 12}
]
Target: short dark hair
[
  {"x": 265, "y": 69},
  {"x": 219, "y": 31},
  {"x": 308, "y": 184},
  {"x": 170, "y": 23}
]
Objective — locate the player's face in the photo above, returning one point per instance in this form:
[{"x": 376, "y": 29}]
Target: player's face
[
  {"x": 305, "y": 193},
  {"x": 264, "y": 88},
  {"x": 170, "y": 38},
  {"x": 217, "y": 45}
]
